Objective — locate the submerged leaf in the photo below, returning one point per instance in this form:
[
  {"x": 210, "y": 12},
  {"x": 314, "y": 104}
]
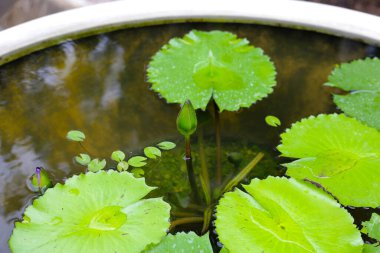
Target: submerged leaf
[
  {"x": 137, "y": 161},
  {"x": 75, "y": 135},
  {"x": 372, "y": 227},
  {"x": 166, "y": 145},
  {"x": 152, "y": 152},
  {"x": 182, "y": 243},
  {"x": 93, "y": 212},
  {"x": 216, "y": 64},
  {"x": 280, "y": 215},
  {"x": 338, "y": 152},
  {"x": 362, "y": 79},
  {"x": 83, "y": 159}
]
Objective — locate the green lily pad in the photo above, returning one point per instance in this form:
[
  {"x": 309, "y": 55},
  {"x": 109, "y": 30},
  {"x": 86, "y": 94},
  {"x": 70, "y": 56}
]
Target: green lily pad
[
  {"x": 137, "y": 161},
  {"x": 338, "y": 152},
  {"x": 280, "y": 215},
  {"x": 75, "y": 135},
  {"x": 272, "y": 121},
  {"x": 182, "y": 243},
  {"x": 118, "y": 156},
  {"x": 372, "y": 227},
  {"x": 166, "y": 145},
  {"x": 371, "y": 248},
  {"x": 152, "y": 152},
  {"x": 83, "y": 159},
  {"x": 95, "y": 165},
  {"x": 216, "y": 64},
  {"x": 93, "y": 212},
  {"x": 362, "y": 79}
]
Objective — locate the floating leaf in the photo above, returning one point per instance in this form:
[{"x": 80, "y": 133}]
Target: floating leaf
[
  {"x": 362, "y": 79},
  {"x": 40, "y": 180},
  {"x": 122, "y": 166},
  {"x": 284, "y": 215},
  {"x": 166, "y": 145},
  {"x": 118, "y": 156},
  {"x": 138, "y": 172},
  {"x": 272, "y": 121},
  {"x": 93, "y": 212},
  {"x": 371, "y": 248},
  {"x": 372, "y": 227},
  {"x": 182, "y": 243},
  {"x": 338, "y": 152},
  {"x": 137, "y": 161},
  {"x": 83, "y": 159},
  {"x": 75, "y": 135},
  {"x": 152, "y": 152},
  {"x": 216, "y": 64},
  {"x": 95, "y": 165}
]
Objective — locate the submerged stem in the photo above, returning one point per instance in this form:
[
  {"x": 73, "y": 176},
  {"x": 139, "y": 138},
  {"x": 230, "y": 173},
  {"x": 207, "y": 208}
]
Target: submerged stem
[
  {"x": 205, "y": 179},
  {"x": 190, "y": 170},
  {"x": 186, "y": 220},
  {"x": 243, "y": 173},
  {"x": 218, "y": 174}
]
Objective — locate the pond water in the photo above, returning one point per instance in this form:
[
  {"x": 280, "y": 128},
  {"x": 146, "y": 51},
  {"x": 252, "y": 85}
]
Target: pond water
[{"x": 98, "y": 85}]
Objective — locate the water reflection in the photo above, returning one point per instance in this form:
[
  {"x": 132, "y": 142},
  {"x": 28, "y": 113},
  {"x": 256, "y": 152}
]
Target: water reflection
[{"x": 98, "y": 85}]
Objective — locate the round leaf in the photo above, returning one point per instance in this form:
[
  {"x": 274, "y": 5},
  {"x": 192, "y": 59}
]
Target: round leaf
[
  {"x": 122, "y": 166},
  {"x": 137, "y": 161},
  {"x": 182, "y": 243},
  {"x": 118, "y": 156},
  {"x": 166, "y": 145},
  {"x": 362, "y": 79},
  {"x": 216, "y": 64},
  {"x": 95, "y": 165},
  {"x": 83, "y": 159},
  {"x": 272, "y": 121},
  {"x": 372, "y": 227},
  {"x": 93, "y": 212},
  {"x": 280, "y": 215},
  {"x": 152, "y": 152},
  {"x": 75, "y": 135},
  {"x": 338, "y": 152}
]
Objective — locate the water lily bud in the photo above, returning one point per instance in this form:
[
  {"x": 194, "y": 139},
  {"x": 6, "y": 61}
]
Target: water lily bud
[
  {"x": 187, "y": 119},
  {"x": 40, "y": 180}
]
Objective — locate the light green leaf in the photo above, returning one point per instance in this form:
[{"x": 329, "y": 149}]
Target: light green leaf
[
  {"x": 362, "y": 79},
  {"x": 95, "y": 165},
  {"x": 338, "y": 152},
  {"x": 182, "y": 243},
  {"x": 216, "y": 64},
  {"x": 371, "y": 248},
  {"x": 272, "y": 121},
  {"x": 83, "y": 159},
  {"x": 75, "y": 135},
  {"x": 166, "y": 145},
  {"x": 152, "y": 152},
  {"x": 93, "y": 212},
  {"x": 372, "y": 227},
  {"x": 187, "y": 119},
  {"x": 280, "y": 215},
  {"x": 137, "y": 161},
  {"x": 118, "y": 156},
  {"x": 122, "y": 166}
]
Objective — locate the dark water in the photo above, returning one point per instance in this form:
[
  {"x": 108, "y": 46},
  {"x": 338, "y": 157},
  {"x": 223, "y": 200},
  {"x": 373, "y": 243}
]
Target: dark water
[{"x": 98, "y": 85}]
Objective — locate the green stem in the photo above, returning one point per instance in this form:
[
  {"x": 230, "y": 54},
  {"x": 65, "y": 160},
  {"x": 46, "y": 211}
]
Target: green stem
[
  {"x": 243, "y": 173},
  {"x": 205, "y": 179},
  {"x": 183, "y": 214},
  {"x": 207, "y": 218},
  {"x": 186, "y": 220},
  {"x": 190, "y": 170},
  {"x": 218, "y": 174}
]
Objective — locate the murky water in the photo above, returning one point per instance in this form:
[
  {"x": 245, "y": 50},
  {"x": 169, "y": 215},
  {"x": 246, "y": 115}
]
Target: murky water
[{"x": 98, "y": 85}]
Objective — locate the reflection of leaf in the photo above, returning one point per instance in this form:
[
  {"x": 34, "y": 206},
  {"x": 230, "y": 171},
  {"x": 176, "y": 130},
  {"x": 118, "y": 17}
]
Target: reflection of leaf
[
  {"x": 137, "y": 161},
  {"x": 338, "y": 152},
  {"x": 152, "y": 152},
  {"x": 216, "y": 64},
  {"x": 75, "y": 135},
  {"x": 362, "y": 79},
  {"x": 166, "y": 145},
  {"x": 182, "y": 243},
  {"x": 284, "y": 215},
  {"x": 95, "y": 165},
  {"x": 93, "y": 212},
  {"x": 372, "y": 227},
  {"x": 83, "y": 159}
]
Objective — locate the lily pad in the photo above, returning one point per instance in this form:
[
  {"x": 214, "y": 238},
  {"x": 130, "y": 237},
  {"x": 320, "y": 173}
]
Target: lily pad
[
  {"x": 93, "y": 212},
  {"x": 216, "y": 64},
  {"x": 280, "y": 215},
  {"x": 75, "y": 135},
  {"x": 362, "y": 79},
  {"x": 338, "y": 152},
  {"x": 371, "y": 248},
  {"x": 166, "y": 145},
  {"x": 182, "y": 243},
  {"x": 372, "y": 227}
]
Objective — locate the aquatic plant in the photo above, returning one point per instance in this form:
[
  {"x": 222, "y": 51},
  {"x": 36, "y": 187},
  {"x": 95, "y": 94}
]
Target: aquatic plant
[
  {"x": 284, "y": 215},
  {"x": 93, "y": 212},
  {"x": 361, "y": 79},
  {"x": 338, "y": 152},
  {"x": 372, "y": 229}
]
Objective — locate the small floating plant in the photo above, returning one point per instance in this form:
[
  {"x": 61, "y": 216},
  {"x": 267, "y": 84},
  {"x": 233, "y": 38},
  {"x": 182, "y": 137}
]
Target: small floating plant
[{"x": 336, "y": 164}]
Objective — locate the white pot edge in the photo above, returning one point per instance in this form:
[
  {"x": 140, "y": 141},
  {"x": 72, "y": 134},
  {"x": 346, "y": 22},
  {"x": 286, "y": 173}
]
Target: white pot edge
[{"x": 49, "y": 30}]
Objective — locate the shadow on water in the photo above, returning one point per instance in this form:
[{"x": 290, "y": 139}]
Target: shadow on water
[{"x": 98, "y": 85}]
